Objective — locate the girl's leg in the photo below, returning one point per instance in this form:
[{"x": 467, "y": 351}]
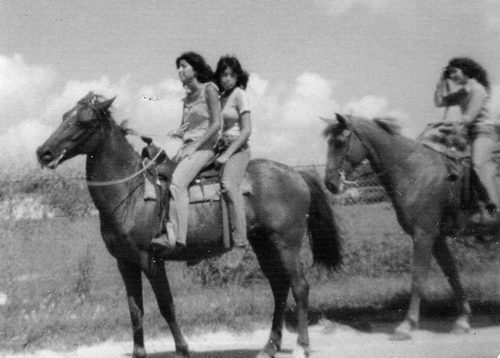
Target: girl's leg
[
  {"x": 232, "y": 176},
  {"x": 485, "y": 168},
  {"x": 184, "y": 174}
]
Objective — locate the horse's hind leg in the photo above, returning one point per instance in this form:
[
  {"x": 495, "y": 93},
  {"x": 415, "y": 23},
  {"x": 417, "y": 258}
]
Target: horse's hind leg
[
  {"x": 422, "y": 251},
  {"x": 447, "y": 264},
  {"x": 131, "y": 275},
  {"x": 161, "y": 289},
  {"x": 282, "y": 267},
  {"x": 270, "y": 263},
  {"x": 300, "y": 291}
]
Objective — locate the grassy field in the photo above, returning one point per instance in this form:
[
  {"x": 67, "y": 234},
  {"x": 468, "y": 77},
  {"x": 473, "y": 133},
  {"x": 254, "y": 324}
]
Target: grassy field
[{"x": 63, "y": 288}]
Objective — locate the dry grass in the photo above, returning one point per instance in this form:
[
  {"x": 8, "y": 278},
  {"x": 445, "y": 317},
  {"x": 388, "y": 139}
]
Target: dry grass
[{"x": 63, "y": 287}]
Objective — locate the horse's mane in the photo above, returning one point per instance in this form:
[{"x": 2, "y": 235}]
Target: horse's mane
[{"x": 388, "y": 124}]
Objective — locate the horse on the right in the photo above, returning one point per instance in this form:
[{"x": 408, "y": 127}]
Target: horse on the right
[{"x": 429, "y": 206}]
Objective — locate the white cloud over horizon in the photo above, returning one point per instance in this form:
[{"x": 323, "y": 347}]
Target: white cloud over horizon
[
  {"x": 286, "y": 125},
  {"x": 337, "y": 7}
]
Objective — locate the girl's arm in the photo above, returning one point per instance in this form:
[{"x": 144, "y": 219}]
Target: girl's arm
[
  {"x": 476, "y": 101},
  {"x": 245, "y": 131},
  {"x": 215, "y": 117},
  {"x": 444, "y": 98}
]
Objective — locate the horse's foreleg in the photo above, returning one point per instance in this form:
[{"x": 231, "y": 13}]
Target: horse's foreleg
[
  {"x": 447, "y": 264},
  {"x": 161, "y": 289},
  {"x": 131, "y": 275},
  {"x": 422, "y": 250}
]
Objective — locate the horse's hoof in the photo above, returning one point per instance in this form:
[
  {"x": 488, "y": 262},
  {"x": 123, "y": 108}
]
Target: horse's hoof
[
  {"x": 400, "y": 336},
  {"x": 301, "y": 352},
  {"x": 402, "y": 332},
  {"x": 139, "y": 352},
  {"x": 460, "y": 327}
]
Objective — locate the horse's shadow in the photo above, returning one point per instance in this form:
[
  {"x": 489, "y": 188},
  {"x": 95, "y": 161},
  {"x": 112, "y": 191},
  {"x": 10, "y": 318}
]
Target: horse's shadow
[
  {"x": 436, "y": 316},
  {"x": 234, "y": 353}
]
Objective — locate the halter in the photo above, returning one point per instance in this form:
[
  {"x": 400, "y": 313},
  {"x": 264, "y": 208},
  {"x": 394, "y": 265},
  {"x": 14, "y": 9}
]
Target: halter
[{"x": 340, "y": 167}]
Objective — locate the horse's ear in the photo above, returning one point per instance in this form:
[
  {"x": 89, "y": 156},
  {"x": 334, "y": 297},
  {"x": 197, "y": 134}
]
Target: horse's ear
[
  {"x": 125, "y": 129},
  {"x": 341, "y": 119},
  {"x": 328, "y": 120},
  {"x": 106, "y": 104},
  {"x": 124, "y": 125}
]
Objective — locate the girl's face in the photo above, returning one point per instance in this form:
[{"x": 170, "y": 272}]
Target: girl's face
[
  {"x": 456, "y": 75},
  {"x": 185, "y": 71},
  {"x": 228, "y": 79}
]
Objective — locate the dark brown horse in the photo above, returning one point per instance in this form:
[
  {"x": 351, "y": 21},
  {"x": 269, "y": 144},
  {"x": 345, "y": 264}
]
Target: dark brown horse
[
  {"x": 282, "y": 205},
  {"x": 427, "y": 204}
]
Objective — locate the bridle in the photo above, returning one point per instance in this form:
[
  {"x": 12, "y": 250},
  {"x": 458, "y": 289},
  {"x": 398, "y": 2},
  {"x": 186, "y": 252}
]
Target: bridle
[
  {"x": 82, "y": 136},
  {"x": 340, "y": 166}
]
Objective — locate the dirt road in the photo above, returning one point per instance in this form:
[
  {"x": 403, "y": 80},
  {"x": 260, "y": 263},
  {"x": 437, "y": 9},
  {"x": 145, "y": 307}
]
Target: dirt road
[{"x": 328, "y": 340}]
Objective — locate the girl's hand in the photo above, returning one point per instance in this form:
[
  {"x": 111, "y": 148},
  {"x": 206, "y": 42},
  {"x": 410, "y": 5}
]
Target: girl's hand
[
  {"x": 176, "y": 133},
  {"x": 186, "y": 151},
  {"x": 221, "y": 160}
]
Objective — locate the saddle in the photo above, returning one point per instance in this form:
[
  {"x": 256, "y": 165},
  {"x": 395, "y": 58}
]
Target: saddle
[
  {"x": 205, "y": 188},
  {"x": 451, "y": 139}
]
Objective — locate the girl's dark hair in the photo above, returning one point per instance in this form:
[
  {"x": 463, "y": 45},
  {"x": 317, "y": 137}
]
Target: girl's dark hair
[
  {"x": 232, "y": 63},
  {"x": 471, "y": 69},
  {"x": 202, "y": 69}
]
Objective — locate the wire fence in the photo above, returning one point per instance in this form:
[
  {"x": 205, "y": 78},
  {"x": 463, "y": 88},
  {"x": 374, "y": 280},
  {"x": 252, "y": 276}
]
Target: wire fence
[{"x": 362, "y": 187}]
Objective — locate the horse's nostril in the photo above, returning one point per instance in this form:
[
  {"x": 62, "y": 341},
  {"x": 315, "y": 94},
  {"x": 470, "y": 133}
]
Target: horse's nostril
[
  {"x": 45, "y": 156},
  {"x": 332, "y": 188}
]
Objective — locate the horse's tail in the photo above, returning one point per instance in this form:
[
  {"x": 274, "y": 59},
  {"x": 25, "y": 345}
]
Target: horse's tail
[{"x": 324, "y": 232}]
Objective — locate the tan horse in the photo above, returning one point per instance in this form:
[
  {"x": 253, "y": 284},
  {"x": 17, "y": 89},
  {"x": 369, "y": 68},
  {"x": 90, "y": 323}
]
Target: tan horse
[{"x": 282, "y": 205}]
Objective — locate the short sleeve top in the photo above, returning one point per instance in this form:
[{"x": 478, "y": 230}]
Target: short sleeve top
[
  {"x": 196, "y": 117},
  {"x": 233, "y": 107},
  {"x": 473, "y": 97}
]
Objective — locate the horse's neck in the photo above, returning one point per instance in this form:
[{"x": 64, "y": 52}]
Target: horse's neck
[
  {"x": 389, "y": 154},
  {"x": 114, "y": 159}
]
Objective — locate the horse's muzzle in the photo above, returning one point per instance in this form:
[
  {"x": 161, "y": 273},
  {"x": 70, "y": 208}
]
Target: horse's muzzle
[{"x": 47, "y": 159}]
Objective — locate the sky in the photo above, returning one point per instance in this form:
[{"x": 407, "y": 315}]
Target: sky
[{"x": 306, "y": 59}]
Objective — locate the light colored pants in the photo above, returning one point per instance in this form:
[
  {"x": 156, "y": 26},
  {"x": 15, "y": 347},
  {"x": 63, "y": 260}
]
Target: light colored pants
[
  {"x": 183, "y": 175},
  {"x": 232, "y": 176},
  {"x": 485, "y": 167}
]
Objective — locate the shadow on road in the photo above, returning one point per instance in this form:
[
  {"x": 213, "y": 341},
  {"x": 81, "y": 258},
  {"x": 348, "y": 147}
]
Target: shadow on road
[
  {"x": 236, "y": 353},
  {"x": 436, "y": 316}
]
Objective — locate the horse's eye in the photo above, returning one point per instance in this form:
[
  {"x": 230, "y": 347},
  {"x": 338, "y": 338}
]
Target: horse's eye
[
  {"x": 339, "y": 142},
  {"x": 85, "y": 123}
]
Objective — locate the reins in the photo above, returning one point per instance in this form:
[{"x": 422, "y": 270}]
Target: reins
[{"x": 130, "y": 177}]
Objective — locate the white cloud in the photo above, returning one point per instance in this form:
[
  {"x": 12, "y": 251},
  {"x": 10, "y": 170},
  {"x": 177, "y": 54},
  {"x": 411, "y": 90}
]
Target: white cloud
[
  {"x": 286, "y": 125},
  {"x": 23, "y": 88},
  {"x": 290, "y": 129},
  {"x": 368, "y": 106},
  {"x": 374, "y": 106},
  {"x": 336, "y": 7}
]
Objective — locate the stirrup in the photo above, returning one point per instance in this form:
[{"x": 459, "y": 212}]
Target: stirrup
[{"x": 164, "y": 243}]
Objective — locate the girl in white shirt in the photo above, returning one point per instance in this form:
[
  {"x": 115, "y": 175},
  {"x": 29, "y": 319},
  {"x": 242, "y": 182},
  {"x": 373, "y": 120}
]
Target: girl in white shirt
[{"x": 233, "y": 145}]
